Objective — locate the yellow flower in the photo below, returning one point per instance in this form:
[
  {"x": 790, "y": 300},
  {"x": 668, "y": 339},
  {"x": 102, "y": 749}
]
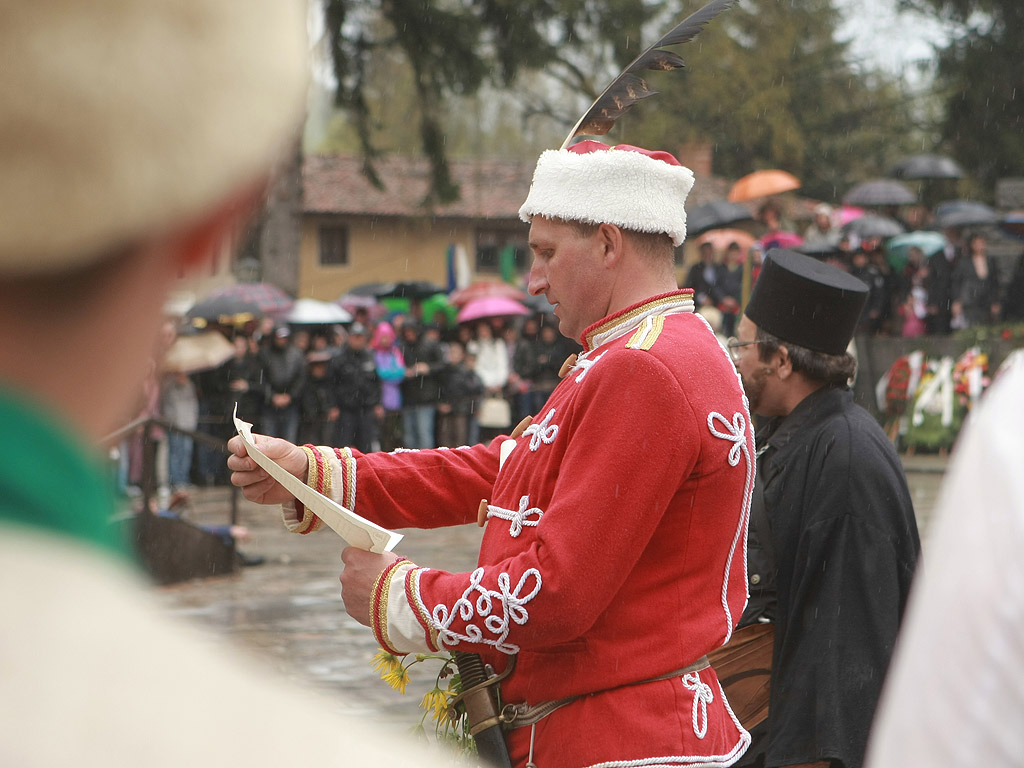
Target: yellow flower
[
  {"x": 436, "y": 703},
  {"x": 397, "y": 678},
  {"x": 384, "y": 662}
]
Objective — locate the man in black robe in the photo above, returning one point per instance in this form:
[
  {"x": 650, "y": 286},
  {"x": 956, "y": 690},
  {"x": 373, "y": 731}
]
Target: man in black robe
[{"x": 833, "y": 538}]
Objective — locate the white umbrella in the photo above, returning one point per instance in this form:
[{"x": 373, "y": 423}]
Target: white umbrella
[{"x": 315, "y": 312}]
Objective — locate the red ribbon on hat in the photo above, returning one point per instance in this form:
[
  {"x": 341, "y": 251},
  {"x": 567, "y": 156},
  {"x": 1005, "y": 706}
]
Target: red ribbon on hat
[{"x": 589, "y": 145}]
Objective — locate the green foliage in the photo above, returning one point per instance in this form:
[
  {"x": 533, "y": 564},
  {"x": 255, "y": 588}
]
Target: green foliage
[{"x": 981, "y": 75}]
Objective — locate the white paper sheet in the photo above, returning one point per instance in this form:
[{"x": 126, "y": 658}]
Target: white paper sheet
[{"x": 354, "y": 529}]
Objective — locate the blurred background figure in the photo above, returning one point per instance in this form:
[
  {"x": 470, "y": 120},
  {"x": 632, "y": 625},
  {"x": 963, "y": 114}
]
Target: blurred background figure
[
  {"x": 424, "y": 361},
  {"x": 318, "y": 412},
  {"x": 730, "y": 286},
  {"x": 976, "y": 287},
  {"x": 940, "y": 284},
  {"x": 492, "y": 367},
  {"x": 703, "y": 278},
  {"x": 285, "y": 367},
  {"x": 461, "y": 390},
  {"x": 179, "y": 406},
  {"x": 356, "y": 393},
  {"x": 390, "y": 372},
  {"x": 821, "y": 232}
]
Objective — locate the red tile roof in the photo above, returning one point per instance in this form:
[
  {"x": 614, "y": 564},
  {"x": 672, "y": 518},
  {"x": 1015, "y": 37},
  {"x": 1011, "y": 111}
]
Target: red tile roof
[{"x": 490, "y": 189}]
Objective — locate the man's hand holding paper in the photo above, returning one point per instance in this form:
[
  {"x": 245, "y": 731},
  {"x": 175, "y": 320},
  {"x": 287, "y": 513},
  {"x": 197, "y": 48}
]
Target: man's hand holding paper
[
  {"x": 279, "y": 477},
  {"x": 256, "y": 483}
]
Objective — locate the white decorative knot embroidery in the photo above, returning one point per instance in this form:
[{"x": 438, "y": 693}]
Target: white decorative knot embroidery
[
  {"x": 584, "y": 364},
  {"x": 544, "y": 432},
  {"x": 702, "y": 696},
  {"x": 518, "y": 517},
  {"x": 736, "y": 432},
  {"x": 498, "y": 624}
]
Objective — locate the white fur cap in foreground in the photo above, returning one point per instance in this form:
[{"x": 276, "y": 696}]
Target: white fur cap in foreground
[
  {"x": 621, "y": 187},
  {"x": 123, "y": 118}
]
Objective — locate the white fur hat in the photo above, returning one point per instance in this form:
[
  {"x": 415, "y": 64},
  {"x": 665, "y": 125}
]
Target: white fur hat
[
  {"x": 627, "y": 186},
  {"x": 122, "y": 118}
]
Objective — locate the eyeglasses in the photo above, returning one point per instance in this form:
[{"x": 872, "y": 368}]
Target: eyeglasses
[{"x": 733, "y": 346}]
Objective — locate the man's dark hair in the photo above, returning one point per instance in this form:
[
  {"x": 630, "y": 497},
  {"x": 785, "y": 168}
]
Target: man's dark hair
[
  {"x": 834, "y": 370},
  {"x": 653, "y": 244}
]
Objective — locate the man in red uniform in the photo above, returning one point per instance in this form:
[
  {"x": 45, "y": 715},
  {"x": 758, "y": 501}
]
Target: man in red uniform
[{"x": 613, "y": 559}]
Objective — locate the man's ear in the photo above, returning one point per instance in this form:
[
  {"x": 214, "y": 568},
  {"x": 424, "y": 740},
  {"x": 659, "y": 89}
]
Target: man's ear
[
  {"x": 611, "y": 239},
  {"x": 198, "y": 244},
  {"x": 785, "y": 367}
]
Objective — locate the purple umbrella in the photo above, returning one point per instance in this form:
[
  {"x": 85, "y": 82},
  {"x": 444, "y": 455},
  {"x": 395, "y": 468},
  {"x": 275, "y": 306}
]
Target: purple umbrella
[
  {"x": 491, "y": 306},
  {"x": 268, "y": 299}
]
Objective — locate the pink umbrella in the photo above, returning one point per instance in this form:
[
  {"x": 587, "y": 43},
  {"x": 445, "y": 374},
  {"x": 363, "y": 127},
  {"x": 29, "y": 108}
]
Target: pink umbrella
[
  {"x": 483, "y": 289},
  {"x": 491, "y": 306},
  {"x": 720, "y": 239},
  {"x": 848, "y": 213},
  {"x": 352, "y": 302}
]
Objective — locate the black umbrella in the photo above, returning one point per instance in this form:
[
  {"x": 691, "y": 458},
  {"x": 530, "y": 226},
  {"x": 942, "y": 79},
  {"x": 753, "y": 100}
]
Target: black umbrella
[
  {"x": 227, "y": 307},
  {"x": 880, "y": 192},
  {"x": 870, "y": 225},
  {"x": 715, "y": 215},
  {"x": 927, "y": 167},
  {"x": 964, "y": 213},
  {"x": 412, "y": 289}
]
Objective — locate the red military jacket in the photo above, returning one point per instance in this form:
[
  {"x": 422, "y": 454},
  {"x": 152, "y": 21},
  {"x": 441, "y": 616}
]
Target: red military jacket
[{"x": 614, "y": 551}]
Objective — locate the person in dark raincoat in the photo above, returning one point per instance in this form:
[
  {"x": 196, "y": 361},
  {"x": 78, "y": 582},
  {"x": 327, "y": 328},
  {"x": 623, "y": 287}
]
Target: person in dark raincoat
[{"x": 833, "y": 539}]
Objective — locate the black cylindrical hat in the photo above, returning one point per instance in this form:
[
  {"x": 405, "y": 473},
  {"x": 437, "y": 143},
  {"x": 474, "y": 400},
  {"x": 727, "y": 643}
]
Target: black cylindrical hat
[{"x": 806, "y": 302}]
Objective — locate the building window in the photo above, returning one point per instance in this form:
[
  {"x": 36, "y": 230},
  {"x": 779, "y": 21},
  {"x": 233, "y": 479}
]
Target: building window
[
  {"x": 333, "y": 246},
  {"x": 490, "y": 243}
]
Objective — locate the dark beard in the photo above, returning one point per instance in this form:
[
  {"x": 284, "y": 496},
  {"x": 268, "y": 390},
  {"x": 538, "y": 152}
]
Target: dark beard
[{"x": 753, "y": 388}]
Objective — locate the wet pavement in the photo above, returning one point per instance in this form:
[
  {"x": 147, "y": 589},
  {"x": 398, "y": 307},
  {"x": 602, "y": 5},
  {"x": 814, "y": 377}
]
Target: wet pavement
[{"x": 288, "y": 611}]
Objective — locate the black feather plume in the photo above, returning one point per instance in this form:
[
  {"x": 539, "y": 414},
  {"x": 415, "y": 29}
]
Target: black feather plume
[{"x": 629, "y": 87}]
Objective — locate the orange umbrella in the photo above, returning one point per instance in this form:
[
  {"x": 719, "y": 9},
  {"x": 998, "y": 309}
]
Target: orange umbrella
[{"x": 762, "y": 184}]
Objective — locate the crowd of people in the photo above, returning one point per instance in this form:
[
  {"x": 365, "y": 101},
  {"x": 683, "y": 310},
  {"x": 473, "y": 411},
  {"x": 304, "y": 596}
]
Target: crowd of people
[
  {"x": 396, "y": 382},
  {"x": 954, "y": 288}
]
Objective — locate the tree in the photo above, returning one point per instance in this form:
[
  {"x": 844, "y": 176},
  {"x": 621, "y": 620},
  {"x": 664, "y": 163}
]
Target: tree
[
  {"x": 436, "y": 54},
  {"x": 767, "y": 82},
  {"x": 981, "y": 76},
  {"x": 772, "y": 88}
]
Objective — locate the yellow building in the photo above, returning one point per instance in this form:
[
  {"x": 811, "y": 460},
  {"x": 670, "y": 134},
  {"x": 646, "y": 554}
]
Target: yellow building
[{"x": 355, "y": 233}]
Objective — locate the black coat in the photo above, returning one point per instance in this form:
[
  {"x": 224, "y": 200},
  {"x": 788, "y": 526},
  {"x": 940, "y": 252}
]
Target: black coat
[
  {"x": 461, "y": 388},
  {"x": 353, "y": 379},
  {"x": 941, "y": 291},
  {"x": 220, "y": 398},
  {"x": 845, "y": 545},
  {"x": 285, "y": 369},
  {"x": 423, "y": 389}
]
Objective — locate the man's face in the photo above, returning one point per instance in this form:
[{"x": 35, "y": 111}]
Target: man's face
[
  {"x": 567, "y": 269},
  {"x": 357, "y": 341},
  {"x": 753, "y": 371}
]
